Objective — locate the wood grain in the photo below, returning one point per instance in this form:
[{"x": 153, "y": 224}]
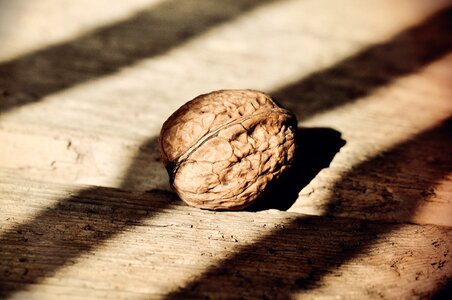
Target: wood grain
[
  {"x": 86, "y": 209},
  {"x": 80, "y": 237}
]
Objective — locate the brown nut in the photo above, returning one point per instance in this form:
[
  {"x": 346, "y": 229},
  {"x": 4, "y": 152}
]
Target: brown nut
[{"x": 222, "y": 149}]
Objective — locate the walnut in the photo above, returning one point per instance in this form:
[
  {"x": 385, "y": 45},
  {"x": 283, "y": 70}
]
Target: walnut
[{"x": 223, "y": 149}]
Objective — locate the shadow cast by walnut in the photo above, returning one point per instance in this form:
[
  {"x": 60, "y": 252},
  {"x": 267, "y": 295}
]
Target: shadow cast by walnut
[{"x": 316, "y": 148}]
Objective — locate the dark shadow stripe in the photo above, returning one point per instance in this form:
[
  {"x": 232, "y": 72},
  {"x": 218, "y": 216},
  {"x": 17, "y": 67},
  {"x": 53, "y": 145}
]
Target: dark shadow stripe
[
  {"x": 297, "y": 257},
  {"x": 105, "y": 50},
  {"x": 372, "y": 68},
  {"x": 290, "y": 237},
  {"x": 58, "y": 235}
]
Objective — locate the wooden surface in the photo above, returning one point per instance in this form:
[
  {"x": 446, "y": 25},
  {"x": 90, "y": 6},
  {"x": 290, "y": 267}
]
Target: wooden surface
[{"x": 86, "y": 209}]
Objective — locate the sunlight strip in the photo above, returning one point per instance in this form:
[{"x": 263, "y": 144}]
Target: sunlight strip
[
  {"x": 27, "y": 26},
  {"x": 389, "y": 104},
  {"x": 388, "y": 117},
  {"x": 123, "y": 106}
]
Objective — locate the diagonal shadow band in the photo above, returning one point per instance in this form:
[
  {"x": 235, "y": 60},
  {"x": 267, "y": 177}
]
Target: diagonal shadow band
[
  {"x": 372, "y": 68},
  {"x": 297, "y": 257},
  {"x": 30, "y": 256},
  {"x": 105, "y": 50},
  {"x": 29, "y": 78},
  {"x": 59, "y": 234},
  {"x": 79, "y": 224}
]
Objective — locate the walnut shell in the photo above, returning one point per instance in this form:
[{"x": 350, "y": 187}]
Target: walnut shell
[{"x": 222, "y": 149}]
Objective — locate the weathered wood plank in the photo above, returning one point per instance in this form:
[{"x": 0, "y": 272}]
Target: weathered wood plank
[
  {"x": 147, "y": 244},
  {"x": 86, "y": 210},
  {"x": 71, "y": 156},
  {"x": 103, "y": 150},
  {"x": 31, "y": 20}
]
